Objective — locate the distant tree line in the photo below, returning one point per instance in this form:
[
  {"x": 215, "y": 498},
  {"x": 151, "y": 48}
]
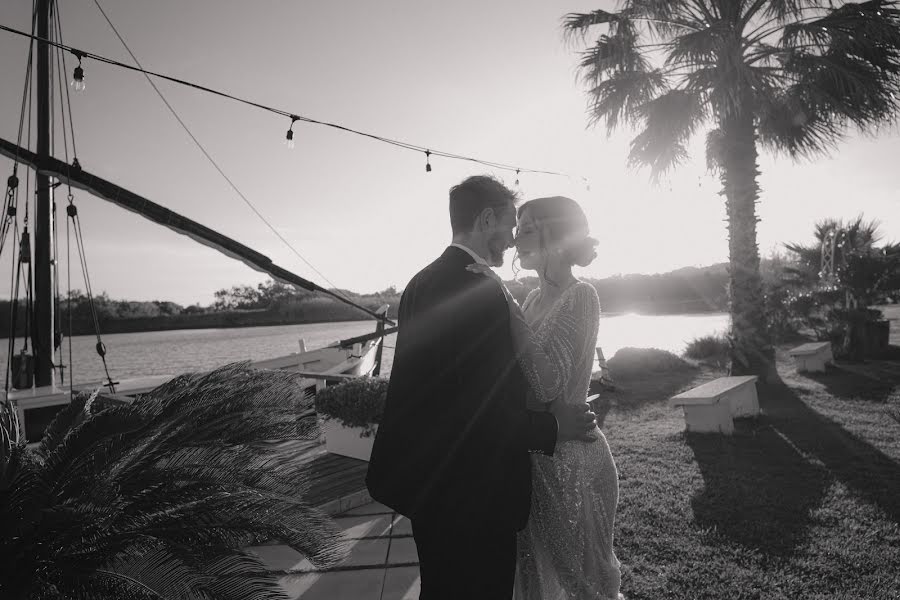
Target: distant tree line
[
  {"x": 269, "y": 303},
  {"x": 272, "y": 302},
  {"x": 688, "y": 290}
]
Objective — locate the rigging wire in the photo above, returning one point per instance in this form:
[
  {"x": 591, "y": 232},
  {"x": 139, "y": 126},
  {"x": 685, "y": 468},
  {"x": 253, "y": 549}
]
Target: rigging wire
[
  {"x": 72, "y": 213},
  {"x": 207, "y": 154},
  {"x": 25, "y": 92},
  {"x": 63, "y": 87}
]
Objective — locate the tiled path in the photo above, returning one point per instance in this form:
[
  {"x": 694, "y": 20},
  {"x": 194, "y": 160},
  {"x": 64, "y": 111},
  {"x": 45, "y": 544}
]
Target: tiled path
[{"x": 382, "y": 563}]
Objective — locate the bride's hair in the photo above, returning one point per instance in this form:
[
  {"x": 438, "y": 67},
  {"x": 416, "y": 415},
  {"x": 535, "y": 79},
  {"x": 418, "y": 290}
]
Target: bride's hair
[{"x": 562, "y": 225}]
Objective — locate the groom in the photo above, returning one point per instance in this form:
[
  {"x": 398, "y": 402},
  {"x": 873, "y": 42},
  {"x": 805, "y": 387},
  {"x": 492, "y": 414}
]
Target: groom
[{"x": 451, "y": 452}]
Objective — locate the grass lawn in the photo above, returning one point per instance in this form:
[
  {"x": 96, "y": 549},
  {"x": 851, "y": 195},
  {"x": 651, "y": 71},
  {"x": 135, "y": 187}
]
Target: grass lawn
[{"x": 803, "y": 502}]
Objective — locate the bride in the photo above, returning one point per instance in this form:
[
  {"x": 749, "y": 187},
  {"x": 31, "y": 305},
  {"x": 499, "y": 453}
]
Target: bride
[{"x": 566, "y": 550}]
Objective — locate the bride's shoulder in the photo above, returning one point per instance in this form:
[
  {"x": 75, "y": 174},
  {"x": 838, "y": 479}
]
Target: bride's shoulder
[
  {"x": 583, "y": 288},
  {"x": 585, "y": 293}
]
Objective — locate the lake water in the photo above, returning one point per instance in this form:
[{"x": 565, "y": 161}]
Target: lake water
[{"x": 173, "y": 352}]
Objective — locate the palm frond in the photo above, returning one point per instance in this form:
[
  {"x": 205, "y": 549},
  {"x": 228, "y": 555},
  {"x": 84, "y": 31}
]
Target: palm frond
[
  {"x": 789, "y": 122},
  {"x": 667, "y": 18},
  {"x": 786, "y": 10},
  {"x": 578, "y": 24},
  {"x": 872, "y": 22},
  {"x": 611, "y": 54},
  {"x": 669, "y": 122},
  {"x": 619, "y": 97},
  {"x": 645, "y": 151},
  {"x": 840, "y": 85},
  {"x": 698, "y": 47}
]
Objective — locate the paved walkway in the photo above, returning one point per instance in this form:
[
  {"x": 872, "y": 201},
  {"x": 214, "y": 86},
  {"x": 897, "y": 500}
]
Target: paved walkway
[{"x": 382, "y": 563}]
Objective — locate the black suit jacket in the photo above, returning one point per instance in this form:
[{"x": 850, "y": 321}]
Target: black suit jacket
[{"x": 454, "y": 441}]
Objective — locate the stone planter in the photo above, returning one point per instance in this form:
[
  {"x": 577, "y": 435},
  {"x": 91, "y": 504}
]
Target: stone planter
[
  {"x": 878, "y": 334},
  {"x": 347, "y": 441}
]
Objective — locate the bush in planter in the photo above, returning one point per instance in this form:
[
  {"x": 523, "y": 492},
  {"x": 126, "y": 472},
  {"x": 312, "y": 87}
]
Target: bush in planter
[{"x": 355, "y": 403}]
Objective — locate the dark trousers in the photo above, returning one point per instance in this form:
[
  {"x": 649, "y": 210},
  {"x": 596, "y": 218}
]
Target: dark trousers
[{"x": 474, "y": 561}]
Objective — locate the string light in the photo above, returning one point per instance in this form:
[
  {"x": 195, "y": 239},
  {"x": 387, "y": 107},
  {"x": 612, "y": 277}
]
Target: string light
[
  {"x": 78, "y": 73},
  {"x": 517, "y": 177},
  {"x": 289, "y": 138},
  {"x": 394, "y": 142},
  {"x": 428, "y": 161}
]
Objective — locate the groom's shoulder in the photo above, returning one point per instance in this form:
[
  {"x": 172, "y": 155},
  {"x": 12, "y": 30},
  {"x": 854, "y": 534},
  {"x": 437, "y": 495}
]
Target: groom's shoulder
[{"x": 444, "y": 266}]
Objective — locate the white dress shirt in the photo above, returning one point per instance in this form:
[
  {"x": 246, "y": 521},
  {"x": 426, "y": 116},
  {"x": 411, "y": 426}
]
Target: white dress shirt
[{"x": 471, "y": 253}]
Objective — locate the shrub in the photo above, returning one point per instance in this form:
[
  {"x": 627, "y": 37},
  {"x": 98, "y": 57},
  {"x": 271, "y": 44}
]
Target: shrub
[
  {"x": 709, "y": 347},
  {"x": 355, "y": 403},
  {"x": 632, "y": 362}
]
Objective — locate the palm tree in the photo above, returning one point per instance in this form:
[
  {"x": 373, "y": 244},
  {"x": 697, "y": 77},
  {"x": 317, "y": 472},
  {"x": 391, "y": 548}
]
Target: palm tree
[
  {"x": 156, "y": 500},
  {"x": 855, "y": 237},
  {"x": 787, "y": 75}
]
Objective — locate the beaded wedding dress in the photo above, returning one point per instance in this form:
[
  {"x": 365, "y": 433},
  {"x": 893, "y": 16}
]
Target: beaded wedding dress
[{"x": 566, "y": 550}]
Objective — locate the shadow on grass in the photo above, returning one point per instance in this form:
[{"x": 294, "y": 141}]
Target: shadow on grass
[
  {"x": 635, "y": 393},
  {"x": 860, "y": 466},
  {"x": 759, "y": 490},
  {"x": 868, "y": 382},
  {"x": 763, "y": 482}
]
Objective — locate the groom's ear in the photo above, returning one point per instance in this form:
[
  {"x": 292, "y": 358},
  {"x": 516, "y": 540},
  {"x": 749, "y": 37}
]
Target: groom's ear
[{"x": 487, "y": 220}]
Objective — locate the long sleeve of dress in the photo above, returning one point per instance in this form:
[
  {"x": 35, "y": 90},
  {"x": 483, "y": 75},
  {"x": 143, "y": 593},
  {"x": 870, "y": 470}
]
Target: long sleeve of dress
[{"x": 548, "y": 362}]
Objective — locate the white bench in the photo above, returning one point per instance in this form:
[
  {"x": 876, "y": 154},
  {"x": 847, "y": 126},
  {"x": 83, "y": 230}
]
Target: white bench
[
  {"x": 812, "y": 357},
  {"x": 712, "y": 406}
]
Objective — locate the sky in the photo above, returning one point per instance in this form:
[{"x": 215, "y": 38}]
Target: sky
[{"x": 493, "y": 80}]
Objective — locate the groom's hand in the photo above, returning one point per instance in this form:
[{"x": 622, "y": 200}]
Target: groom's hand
[{"x": 576, "y": 421}]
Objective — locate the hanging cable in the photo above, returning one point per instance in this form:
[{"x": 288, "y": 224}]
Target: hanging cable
[{"x": 394, "y": 142}]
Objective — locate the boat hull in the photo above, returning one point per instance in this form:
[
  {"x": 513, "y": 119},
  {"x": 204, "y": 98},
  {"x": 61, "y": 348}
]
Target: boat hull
[{"x": 36, "y": 407}]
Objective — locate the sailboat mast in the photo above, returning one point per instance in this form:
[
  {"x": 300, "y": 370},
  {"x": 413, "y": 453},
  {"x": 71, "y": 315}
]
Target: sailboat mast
[{"x": 42, "y": 338}]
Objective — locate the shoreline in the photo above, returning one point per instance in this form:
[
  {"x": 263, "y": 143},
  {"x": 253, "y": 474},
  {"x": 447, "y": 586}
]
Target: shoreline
[
  {"x": 242, "y": 320},
  {"x": 219, "y": 321}
]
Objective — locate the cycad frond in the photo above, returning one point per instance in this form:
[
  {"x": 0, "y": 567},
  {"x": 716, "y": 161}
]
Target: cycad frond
[
  {"x": 161, "y": 496},
  {"x": 65, "y": 420}
]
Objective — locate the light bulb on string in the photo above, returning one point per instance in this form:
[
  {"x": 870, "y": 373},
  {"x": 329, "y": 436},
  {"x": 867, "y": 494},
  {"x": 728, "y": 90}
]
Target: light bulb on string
[
  {"x": 78, "y": 76},
  {"x": 517, "y": 177},
  {"x": 428, "y": 161},
  {"x": 289, "y": 137}
]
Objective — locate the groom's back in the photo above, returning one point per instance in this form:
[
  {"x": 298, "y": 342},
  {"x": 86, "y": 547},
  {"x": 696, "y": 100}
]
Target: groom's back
[{"x": 442, "y": 448}]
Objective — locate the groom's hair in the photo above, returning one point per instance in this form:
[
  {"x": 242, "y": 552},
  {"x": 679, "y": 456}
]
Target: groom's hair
[{"x": 475, "y": 194}]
